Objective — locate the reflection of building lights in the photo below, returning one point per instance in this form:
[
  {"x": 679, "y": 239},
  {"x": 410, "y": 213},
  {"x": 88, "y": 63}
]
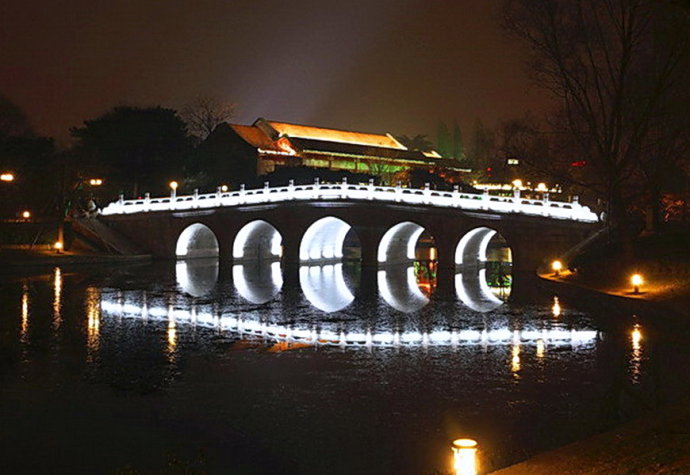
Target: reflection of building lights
[
  {"x": 515, "y": 360},
  {"x": 556, "y": 266},
  {"x": 636, "y": 281},
  {"x": 432, "y": 254},
  {"x": 93, "y": 321},
  {"x": 465, "y": 456},
  {"x": 540, "y": 348},
  {"x": 556, "y": 308}
]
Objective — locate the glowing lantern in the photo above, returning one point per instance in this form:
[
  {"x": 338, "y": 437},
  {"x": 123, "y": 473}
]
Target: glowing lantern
[
  {"x": 556, "y": 266},
  {"x": 95, "y": 182},
  {"x": 465, "y": 456},
  {"x": 224, "y": 188},
  {"x": 173, "y": 188},
  {"x": 636, "y": 281},
  {"x": 58, "y": 246},
  {"x": 26, "y": 214}
]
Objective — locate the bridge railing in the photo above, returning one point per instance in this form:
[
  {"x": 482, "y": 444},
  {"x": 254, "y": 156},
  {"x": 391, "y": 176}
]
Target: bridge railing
[{"x": 359, "y": 192}]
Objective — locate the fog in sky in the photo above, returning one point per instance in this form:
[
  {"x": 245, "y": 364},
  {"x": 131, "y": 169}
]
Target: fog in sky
[{"x": 380, "y": 65}]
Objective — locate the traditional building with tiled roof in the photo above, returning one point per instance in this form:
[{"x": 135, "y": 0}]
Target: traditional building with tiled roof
[{"x": 265, "y": 145}]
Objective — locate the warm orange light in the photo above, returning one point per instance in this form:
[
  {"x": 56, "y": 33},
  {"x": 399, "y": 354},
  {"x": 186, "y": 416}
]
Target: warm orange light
[
  {"x": 7, "y": 177},
  {"x": 517, "y": 183},
  {"x": 542, "y": 187},
  {"x": 465, "y": 456},
  {"x": 26, "y": 214},
  {"x": 58, "y": 246},
  {"x": 636, "y": 281},
  {"x": 173, "y": 185},
  {"x": 556, "y": 266},
  {"x": 95, "y": 181}
]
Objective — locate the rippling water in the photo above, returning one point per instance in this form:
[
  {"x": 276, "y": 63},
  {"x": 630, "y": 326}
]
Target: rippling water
[{"x": 229, "y": 369}]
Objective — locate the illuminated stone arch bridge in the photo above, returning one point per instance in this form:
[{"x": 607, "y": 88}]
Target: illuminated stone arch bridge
[{"x": 326, "y": 223}]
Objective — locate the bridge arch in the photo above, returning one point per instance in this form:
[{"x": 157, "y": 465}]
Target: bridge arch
[
  {"x": 398, "y": 245},
  {"x": 324, "y": 240},
  {"x": 197, "y": 240},
  {"x": 257, "y": 240},
  {"x": 472, "y": 248}
]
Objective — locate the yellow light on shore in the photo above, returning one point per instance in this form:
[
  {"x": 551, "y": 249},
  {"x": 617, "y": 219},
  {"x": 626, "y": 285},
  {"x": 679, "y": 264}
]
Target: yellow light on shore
[
  {"x": 517, "y": 183},
  {"x": 96, "y": 181},
  {"x": 58, "y": 246},
  {"x": 556, "y": 266},
  {"x": 465, "y": 456},
  {"x": 542, "y": 187},
  {"x": 223, "y": 188},
  {"x": 26, "y": 214},
  {"x": 7, "y": 177},
  {"x": 636, "y": 281},
  {"x": 173, "y": 185}
]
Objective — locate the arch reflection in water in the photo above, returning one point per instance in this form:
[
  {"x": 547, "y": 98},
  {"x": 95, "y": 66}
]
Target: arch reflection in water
[
  {"x": 332, "y": 334},
  {"x": 325, "y": 287},
  {"x": 399, "y": 288},
  {"x": 197, "y": 277},
  {"x": 473, "y": 290},
  {"x": 258, "y": 282}
]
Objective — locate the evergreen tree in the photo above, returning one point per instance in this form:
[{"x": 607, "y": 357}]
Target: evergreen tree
[
  {"x": 444, "y": 148},
  {"x": 458, "y": 145}
]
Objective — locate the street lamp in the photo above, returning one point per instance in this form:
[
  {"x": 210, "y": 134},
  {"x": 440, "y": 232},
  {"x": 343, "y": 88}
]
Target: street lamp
[
  {"x": 58, "y": 246},
  {"x": 636, "y": 281},
  {"x": 223, "y": 188},
  {"x": 557, "y": 266},
  {"x": 173, "y": 189},
  {"x": 465, "y": 456},
  {"x": 517, "y": 183},
  {"x": 26, "y": 214}
]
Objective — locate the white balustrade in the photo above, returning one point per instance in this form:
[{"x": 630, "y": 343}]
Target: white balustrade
[{"x": 573, "y": 211}]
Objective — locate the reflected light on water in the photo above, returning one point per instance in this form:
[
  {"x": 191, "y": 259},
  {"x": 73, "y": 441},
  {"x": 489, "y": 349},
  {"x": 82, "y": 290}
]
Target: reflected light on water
[
  {"x": 93, "y": 321},
  {"x": 57, "y": 298},
  {"x": 465, "y": 456},
  {"x": 326, "y": 333},
  {"x": 172, "y": 332},
  {"x": 25, "y": 314},
  {"x": 556, "y": 308},
  {"x": 541, "y": 348},
  {"x": 515, "y": 360},
  {"x": 636, "y": 354}
]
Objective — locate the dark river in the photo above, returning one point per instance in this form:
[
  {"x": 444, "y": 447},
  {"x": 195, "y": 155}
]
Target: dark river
[{"x": 192, "y": 367}]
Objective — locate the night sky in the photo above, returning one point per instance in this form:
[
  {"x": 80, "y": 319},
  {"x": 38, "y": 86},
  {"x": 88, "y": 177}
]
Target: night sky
[{"x": 380, "y": 65}]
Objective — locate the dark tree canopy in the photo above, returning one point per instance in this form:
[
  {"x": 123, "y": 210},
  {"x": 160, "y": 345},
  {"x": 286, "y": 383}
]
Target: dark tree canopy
[
  {"x": 141, "y": 149},
  {"x": 619, "y": 70},
  {"x": 13, "y": 120}
]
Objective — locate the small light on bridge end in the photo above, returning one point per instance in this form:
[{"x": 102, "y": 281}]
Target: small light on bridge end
[
  {"x": 557, "y": 266},
  {"x": 636, "y": 281}
]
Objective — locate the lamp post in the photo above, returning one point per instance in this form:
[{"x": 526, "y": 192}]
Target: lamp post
[
  {"x": 173, "y": 189},
  {"x": 465, "y": 456},
  {"x": 636, "y": 281},
  {"x": 556, "y": 266}
]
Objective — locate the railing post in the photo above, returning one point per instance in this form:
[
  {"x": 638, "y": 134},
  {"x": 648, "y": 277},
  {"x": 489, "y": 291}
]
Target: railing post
[
  {"x": 545, "y": 202},
  {"x": 516, "y": 200},
  {"x": 195, "y": 198},
  {"x": 317, "y": 184},
  {"x": 291, "y": 189},
  {"x": 456, "y": 195},
  {"x": 398, "y": 192},
  {"x": 121, "y": 199},
  {"x": 147, "y": 201},
  {"x": 370, "y": 191},
  {"x": 219, "y": 195},
  {"x": 343, "y": 187},
  {"x": 242, "y": 193},
  {"x": 427, "y": 193},
  {"x": 485, "y": 199}
]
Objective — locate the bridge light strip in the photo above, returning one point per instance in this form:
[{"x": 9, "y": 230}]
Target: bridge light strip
[
  {"x": 329, "y": 337},
  {"x": 339, "y": 192}
]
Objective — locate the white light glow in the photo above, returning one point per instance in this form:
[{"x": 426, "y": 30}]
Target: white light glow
[
  {"x": 325, "y": 287},
  {"x": 330, "y": 192},
  {"x": 475, "y": 242},
  {"x": 403, "y": 296},
  {"x": 197, "y": 240},
  {"x": 398, "y": 244},
  {"x": 324, "y": 240},
  {"x": 258, "y": 283},
  {"x": 260, "y": 238}
]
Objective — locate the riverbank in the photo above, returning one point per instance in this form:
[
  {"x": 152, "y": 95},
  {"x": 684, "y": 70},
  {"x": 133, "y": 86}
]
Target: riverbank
[
  {"x": 16, "y": 257},
  {"x": 657, "y": 442}
]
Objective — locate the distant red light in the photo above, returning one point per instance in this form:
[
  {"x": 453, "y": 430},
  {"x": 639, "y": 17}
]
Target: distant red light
[
  {"x": 489, "y": 169},
  {"x": 579, "y": 163}
]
